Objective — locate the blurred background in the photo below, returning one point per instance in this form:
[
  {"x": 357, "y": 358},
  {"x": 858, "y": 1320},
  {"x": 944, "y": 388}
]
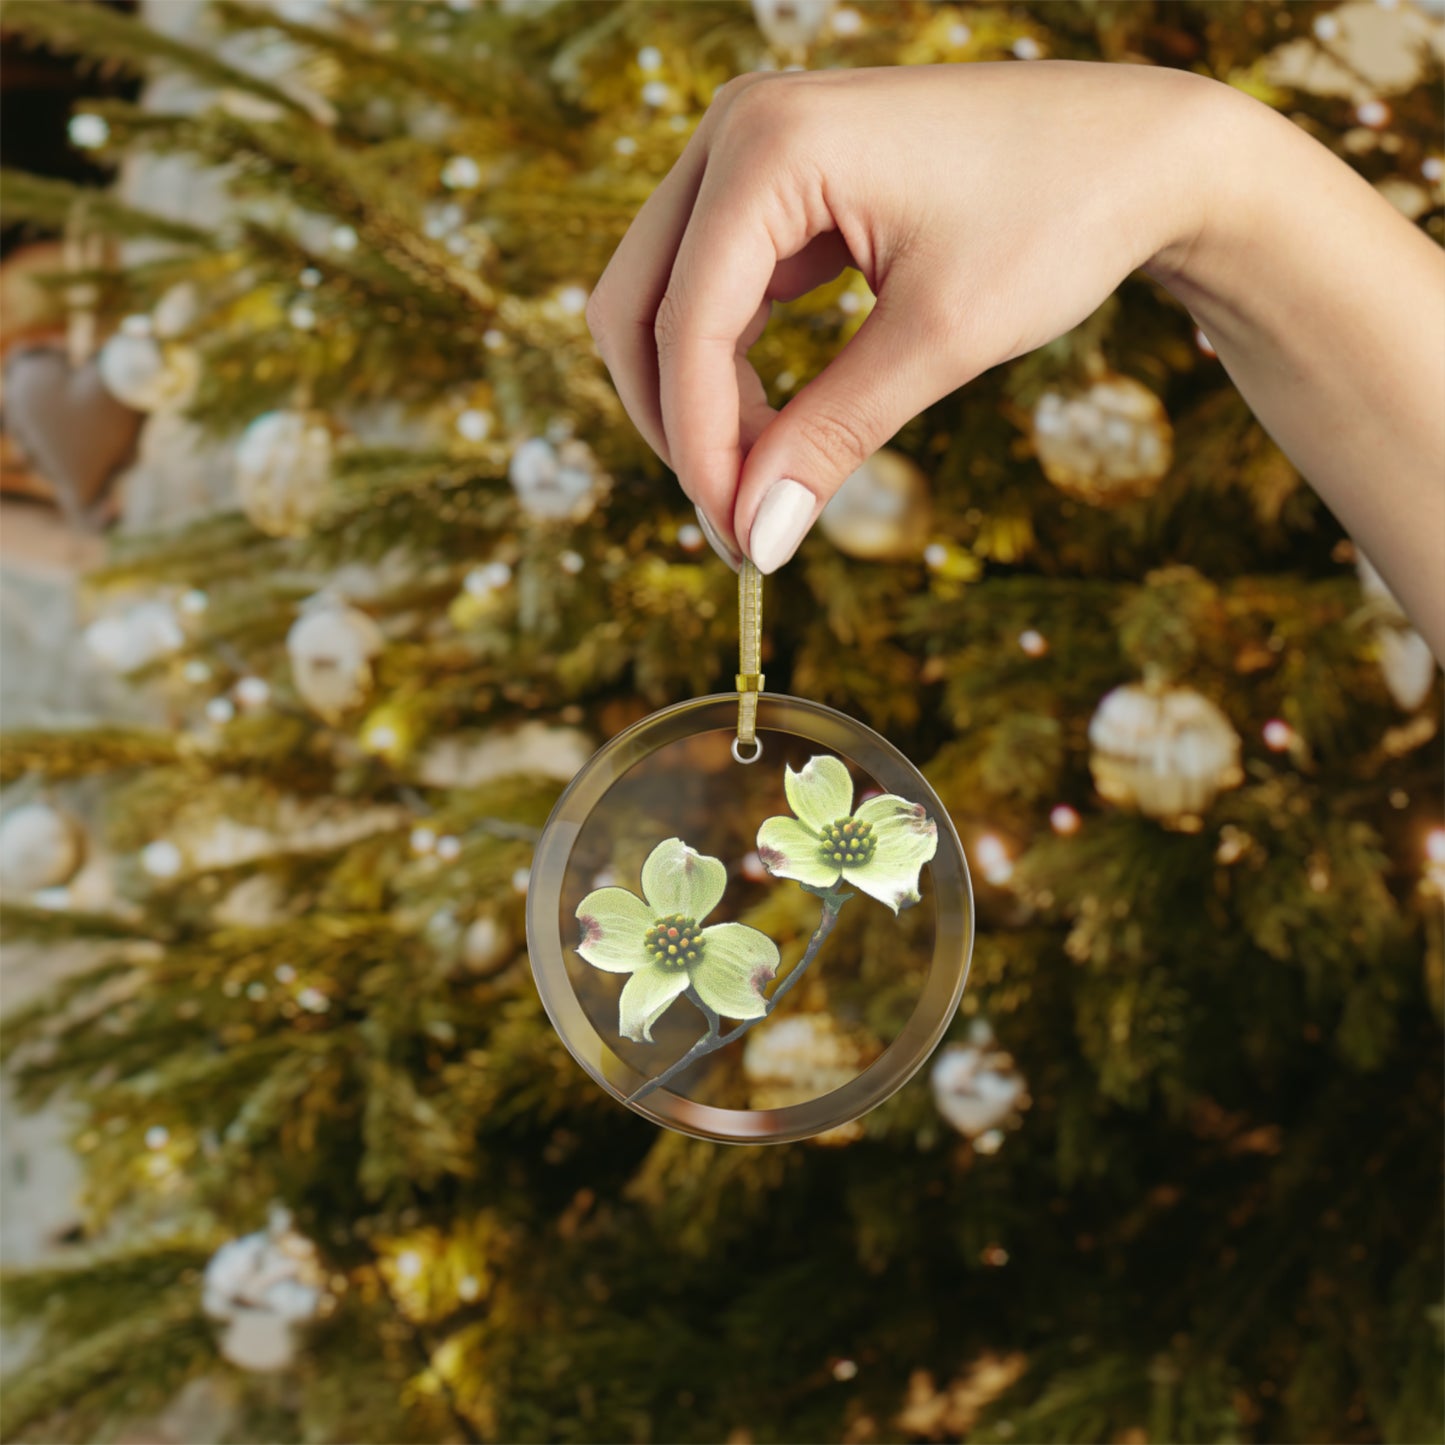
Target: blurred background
[{"x": 329, "y": 556}]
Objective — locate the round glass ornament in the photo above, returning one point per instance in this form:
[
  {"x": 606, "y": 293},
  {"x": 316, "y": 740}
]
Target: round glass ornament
[{"x": 688, "y": 895}]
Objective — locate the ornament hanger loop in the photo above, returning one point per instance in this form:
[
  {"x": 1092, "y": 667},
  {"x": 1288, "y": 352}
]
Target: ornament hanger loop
[{"x": 750, "y": 650}]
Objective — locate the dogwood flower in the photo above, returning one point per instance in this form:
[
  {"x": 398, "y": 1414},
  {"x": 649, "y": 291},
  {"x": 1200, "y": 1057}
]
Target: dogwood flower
[
  {"x": 660, "y": 941},
  {"x": 880, "y": 849}
]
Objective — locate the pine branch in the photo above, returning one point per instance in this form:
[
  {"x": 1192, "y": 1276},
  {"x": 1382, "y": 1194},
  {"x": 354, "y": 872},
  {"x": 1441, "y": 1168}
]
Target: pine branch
[
  {"x": 53, "y": 204},
  {"x": 117, "y": 42}
]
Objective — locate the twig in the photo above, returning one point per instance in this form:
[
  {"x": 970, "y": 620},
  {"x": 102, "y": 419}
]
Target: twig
[{"x": 712, "y": 1039}]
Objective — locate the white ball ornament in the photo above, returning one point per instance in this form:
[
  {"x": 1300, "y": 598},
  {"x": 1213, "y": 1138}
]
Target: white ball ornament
[
  {"x": 143, "y": 633},
  {"x": 40, "y": 847},
  {"x": 976, "y": 1086},
  {"x": 883, "y": 512},
  {"x": 792, "y": 25},
  {"x": 1108, "y": 444},
  {"x": 1405, "y": 657},
  {"x": 1167, "y": 751},
  {"x": 283, "y": 470},
  {"x": 554, "y": 482},
  {"x": 148, "y": 374},
  {"x": 486, "y": 945},
  {"x": 261, "y": 1287},
  {"x": 331, "y": 647}
]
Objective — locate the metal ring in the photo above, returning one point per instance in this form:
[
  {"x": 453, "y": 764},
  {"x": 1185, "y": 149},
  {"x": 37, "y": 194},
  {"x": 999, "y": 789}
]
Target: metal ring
[{"x": 757, "y": 751}]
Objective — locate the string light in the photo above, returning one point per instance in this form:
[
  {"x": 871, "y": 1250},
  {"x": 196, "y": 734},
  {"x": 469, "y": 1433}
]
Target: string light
[
  {"x": 423, "y": 840},
  {"x": 461, "y": 173},
  {"x": 1279, "y": 736},
  {"x": 220, "y": 710},
  {"x": 845, "y": 1370},
  {"x": 1064, "y": 820},
  {"x": 157, "y": 1136},
  {"x": 408, "y": 1264},
  {"x": 193, "y": 602},
  {"x": 252, "y": 692},
  {"x": 1033, "y": 642},
  {"x": 649, "y": 58},
  {"x": 491, "y": 577},
  {"x": 449, "y": 849},
  {"x": 1373, "y": 113},
  {"x": 88, "y": 132},
  {"x": 935, "y": 555},
  {"x": 689, "y": 537}
]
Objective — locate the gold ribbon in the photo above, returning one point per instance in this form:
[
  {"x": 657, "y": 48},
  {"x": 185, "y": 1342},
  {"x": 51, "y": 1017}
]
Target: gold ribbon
[{"x": 750, "y": 657}]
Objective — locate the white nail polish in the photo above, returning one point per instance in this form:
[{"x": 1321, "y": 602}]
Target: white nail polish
[
  {"x": 716, "y": 542},
  {"x": 782, "y": 522}
]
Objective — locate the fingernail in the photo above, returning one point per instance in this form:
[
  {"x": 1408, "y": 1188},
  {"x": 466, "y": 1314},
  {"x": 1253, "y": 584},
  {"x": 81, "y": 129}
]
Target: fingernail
[
  {"x": 781, "y": 524},
  {"x": 716, "y": 542}
]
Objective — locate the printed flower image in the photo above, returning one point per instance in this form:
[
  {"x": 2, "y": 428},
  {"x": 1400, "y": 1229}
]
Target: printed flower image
[
  {"x": 879, "y": 849},
  {"x": 659, "y": 939}
]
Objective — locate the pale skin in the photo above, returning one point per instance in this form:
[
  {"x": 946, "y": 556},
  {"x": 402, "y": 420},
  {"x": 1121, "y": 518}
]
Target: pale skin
[{"x": 991, "y": 208}]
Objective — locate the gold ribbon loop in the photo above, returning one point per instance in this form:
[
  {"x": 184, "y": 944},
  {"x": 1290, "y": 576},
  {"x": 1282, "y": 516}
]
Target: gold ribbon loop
[{"x": 750, "y": 654}]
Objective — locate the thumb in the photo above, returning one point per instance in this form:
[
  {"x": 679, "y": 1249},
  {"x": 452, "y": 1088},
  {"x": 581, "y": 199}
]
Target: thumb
[{"x": 899, "y": 362}]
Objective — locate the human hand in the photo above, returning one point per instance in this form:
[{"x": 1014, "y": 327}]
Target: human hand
[{"x": 989, "y": 207}]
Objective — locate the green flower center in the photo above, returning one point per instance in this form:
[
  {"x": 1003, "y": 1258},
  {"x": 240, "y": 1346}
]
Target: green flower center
[
  {"x": 673, "y": 942},
  {"x": 848, "y": 843}
]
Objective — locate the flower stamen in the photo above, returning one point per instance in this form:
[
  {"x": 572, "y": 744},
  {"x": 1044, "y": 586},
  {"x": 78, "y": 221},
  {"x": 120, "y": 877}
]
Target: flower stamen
[
  {"x": 848, "y": 843},
  {"x": 673, "y": 942}
]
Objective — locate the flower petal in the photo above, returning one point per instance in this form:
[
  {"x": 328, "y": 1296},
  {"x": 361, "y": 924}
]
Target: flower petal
[
  {"x": 679, "y": 879},
  {"x": 645, "y": 998},
  {"x": 907, "y": 839},
  {"x": 820, "y": 794},
  {"x": 788, "y": 849},
  {"x": 737, "y": 964},
  {"x": 614, "y": 924}
]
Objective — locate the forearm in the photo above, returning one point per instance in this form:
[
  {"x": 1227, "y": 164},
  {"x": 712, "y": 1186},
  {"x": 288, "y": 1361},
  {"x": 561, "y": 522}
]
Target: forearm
[{"x": 1327, "y": 308}]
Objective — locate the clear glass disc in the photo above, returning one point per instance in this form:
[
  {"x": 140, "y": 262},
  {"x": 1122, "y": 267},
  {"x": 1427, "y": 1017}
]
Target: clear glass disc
[{"x": 751, "y": 951}]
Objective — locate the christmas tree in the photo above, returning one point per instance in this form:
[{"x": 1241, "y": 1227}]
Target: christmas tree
[{"x": 1176, "y": 1174}]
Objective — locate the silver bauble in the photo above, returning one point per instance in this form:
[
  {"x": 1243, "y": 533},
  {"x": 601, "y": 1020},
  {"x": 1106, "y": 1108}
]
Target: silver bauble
[
  {"x": 1166, "y": 751},
  {"x": 40, "y": 847},
  {"x": 882, "y": 512},
  {"x": 283, "y": 470},
  {"x": 1109, "y": 443},
  {"x": 331, "y": 647}
]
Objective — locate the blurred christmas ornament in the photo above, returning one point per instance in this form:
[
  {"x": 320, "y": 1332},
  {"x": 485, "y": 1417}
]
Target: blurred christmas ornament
[
  {"x": 73, "y": 430},
  {"x": 803, "y": 1058},
  {"x": 554, "y": 483},
  {"x": 1109, "y": 443},
  {"x": 262, "y": 1286},
  {"x": 468, "y": 760},
  {"x": 145, "y": 373},
  {"x": 40, "y": 847},
  {"x": 1405, "y": 656},
  {"x": 143, "y": 633},
  {"x": 976, "y": 1087},
  {"x": 486, "y": 945},
  {"x": 791, "y": 26},
  {"x": 882, "y": 512},
  {"x": 1166, "y": 751},
  {"x": 331, "y": 647},
  {"x": 283, "y": 470}
]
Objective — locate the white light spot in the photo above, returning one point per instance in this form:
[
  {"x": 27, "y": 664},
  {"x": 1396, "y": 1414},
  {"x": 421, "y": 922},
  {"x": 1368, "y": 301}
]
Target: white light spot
[
  {"x": 847, "y": 22},
  {"x": 310, "y": 278},
  {"x": 572, "y": 300},
  {"x": 571, "y": 563},
  {"x": 313, "y": 1000},
  {"x": 449, "y": 849},
  {"x": 302, "y": 317},
  {"x": 935, "y": 555},
  {"x": 493, "y": 339},
  {"x": 88, "y": 132},
  {"x": 408, "y": 1264},
  {"x": 1373, "y": 113},
  {"x": 1326, "y": 27},
  {"x": 285, "y": 973},
  {"x": 474, "y": 425},
  {"x": 1278, "y": 735},
  {"x": 1432, "y": 168},
  {"x": 1064, "y": 820},
  {"x": 461, "y": 173},
  {"x": 520, "y": 879},
  {"x": 468, "y": 1287},
  {"x": 1027, "y": 48},
  {"x": 656, "y": 93},
  {"x": 1033, "y": 642},
  {"x": 624, "y": 145},
  {"x": 253, "y": 692},
  {"x": 220, "y": 710},
  {"x": 423, "y": 840},
  {"x": 649, "y": 58},
  {"x": 157, "y": 1136},
  {"x": 959, "y": 35},
  {"x": 194, "y": 602},
  {"x": 491, "y": 577},
  {"x": 689, "y": 537},
  {"x": 844, "y": 1370},
  {"x": 344, "y": 238}
]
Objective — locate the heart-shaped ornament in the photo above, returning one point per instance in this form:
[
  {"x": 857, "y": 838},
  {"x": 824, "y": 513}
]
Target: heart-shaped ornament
[{"x": 77, "y": 435}]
